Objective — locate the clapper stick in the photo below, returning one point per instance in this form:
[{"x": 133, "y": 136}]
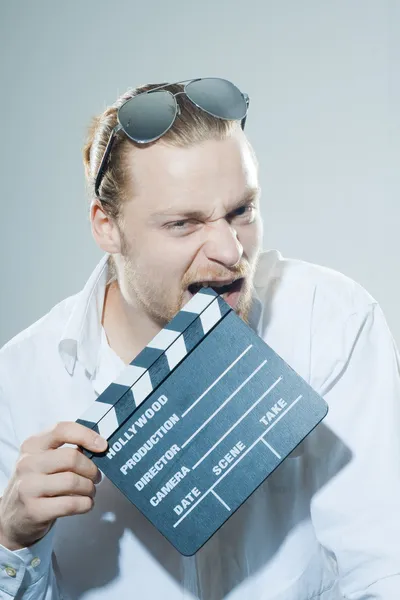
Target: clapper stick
[
  {"x": 199, "y": 419},
  {"x": 155, "y": 362}
]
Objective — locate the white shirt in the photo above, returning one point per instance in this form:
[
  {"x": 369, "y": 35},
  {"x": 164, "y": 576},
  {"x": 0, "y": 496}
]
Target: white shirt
[{"x": 325, "y": 524}]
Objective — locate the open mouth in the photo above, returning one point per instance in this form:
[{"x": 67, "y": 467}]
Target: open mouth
[{"x": 220, "y": 287}]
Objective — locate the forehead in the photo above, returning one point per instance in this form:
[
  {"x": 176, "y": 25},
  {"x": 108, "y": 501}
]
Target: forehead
[{"x": 209, "y": 173}]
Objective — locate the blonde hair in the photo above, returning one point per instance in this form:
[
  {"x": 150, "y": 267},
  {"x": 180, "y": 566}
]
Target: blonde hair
[{"x": 192, "y": 125}]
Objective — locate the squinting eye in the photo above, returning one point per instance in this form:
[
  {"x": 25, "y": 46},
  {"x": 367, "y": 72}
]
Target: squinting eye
[
  {"x": 241, "y": 211},
  {"x": 244, "y": 211},
  {"x": 178, "y": 224},
  {"x": 182, "y": 226}
]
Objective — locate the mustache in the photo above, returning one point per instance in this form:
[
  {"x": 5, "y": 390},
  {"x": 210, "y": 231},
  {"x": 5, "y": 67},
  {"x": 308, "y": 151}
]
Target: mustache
[{"x": 240, "y": 271}]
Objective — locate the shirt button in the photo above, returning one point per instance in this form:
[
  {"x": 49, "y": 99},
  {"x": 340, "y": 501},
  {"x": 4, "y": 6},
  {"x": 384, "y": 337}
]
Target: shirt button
[
  {"x": 11, "y": 572},
  {"x": 35, "y": 562}
]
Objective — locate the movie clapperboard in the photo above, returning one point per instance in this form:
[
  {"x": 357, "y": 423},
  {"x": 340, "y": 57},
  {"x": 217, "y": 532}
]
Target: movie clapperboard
[{"x": 199, "y": 419}]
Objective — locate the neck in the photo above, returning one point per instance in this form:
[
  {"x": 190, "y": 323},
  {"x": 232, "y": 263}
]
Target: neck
[{"x": 128, "y": 328}]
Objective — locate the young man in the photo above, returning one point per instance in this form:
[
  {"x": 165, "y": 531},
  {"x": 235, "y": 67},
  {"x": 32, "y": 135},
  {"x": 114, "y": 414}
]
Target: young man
[{"x": 175, "y": 205}]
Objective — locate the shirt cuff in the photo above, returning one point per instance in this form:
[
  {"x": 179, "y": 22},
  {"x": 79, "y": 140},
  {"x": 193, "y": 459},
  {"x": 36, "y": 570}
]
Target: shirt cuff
[{"x": 27, "y": 564}]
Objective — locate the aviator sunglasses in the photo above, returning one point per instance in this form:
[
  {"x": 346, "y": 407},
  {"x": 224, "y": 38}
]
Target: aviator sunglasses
[{"x": 149, "y": 115}]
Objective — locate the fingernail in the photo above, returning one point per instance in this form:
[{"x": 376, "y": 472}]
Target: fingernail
[{"x": 100, "y": 442}]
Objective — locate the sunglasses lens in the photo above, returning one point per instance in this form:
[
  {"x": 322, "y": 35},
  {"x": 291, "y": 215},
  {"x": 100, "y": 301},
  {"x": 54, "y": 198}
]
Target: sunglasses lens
[
  {"x": 218, "y": 97},
  {"x": 148, "y": 116}
]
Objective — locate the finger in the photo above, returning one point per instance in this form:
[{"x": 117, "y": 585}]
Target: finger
[
  {"x": 59, "y": 484},
  {"x": 58, "y": 461},
  {"x": 65, "y": 432},
  {"x": 44, "y": 510}
]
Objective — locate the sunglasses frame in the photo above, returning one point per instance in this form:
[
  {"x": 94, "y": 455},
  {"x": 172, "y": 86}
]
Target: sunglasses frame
[{"x": 104, "y": 161}]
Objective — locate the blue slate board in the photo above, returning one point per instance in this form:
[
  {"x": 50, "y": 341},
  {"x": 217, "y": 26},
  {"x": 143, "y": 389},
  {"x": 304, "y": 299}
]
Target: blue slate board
[{"x": 222, "y": 411}]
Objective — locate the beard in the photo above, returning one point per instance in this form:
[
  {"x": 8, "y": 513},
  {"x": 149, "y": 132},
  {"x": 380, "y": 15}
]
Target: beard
[
  {"x": 156, "y": 297},
  {"x": 160, "y": 303}
]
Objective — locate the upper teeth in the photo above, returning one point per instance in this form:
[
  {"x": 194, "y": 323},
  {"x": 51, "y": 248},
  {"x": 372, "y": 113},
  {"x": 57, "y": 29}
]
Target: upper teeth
[{"x": 219, "y": 284}]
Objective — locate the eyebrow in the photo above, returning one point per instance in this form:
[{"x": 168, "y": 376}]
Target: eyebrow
[{"x": 250, "y": 194}]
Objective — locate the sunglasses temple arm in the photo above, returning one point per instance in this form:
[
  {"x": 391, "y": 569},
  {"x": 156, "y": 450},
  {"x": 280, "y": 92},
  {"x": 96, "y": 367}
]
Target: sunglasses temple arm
[
  {"x": 104, "y": 160},
  {"x": 243, "y": 121}
]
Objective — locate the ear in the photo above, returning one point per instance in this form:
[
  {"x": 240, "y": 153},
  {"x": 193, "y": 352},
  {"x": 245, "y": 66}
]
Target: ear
[{"x": 104, "y": 229}]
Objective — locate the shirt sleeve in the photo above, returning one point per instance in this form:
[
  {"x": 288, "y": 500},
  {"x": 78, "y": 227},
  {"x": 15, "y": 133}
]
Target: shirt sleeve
[
  {"x": 26, "y": 574},
  {"x": 356, "y": 513}
]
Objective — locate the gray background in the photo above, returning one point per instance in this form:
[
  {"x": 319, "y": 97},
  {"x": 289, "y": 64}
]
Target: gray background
[{"x": 324, "y": 120}]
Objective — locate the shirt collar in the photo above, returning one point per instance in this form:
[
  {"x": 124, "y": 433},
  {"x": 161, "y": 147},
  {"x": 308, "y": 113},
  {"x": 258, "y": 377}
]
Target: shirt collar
[
  {"x": 81, "y": 338},
  {"x": 262, "y": 278}
]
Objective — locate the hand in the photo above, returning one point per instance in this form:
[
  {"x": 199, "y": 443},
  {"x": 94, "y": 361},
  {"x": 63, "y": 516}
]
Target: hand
[{"x": 49, "y": 482}]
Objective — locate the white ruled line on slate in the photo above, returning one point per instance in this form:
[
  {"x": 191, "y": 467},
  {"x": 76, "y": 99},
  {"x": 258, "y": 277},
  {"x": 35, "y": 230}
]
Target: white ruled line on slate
[
  {"x": 216, "y": 381},
  {"x": 220, "y": 500},
  {"x": 193, "y": 506},
  {"x": 237, "y": 423},
  {"x": 223, "y": 404}
]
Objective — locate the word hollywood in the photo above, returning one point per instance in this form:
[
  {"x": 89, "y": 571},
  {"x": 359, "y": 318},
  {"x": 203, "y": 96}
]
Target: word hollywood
[{"x": 140, "y": 423}]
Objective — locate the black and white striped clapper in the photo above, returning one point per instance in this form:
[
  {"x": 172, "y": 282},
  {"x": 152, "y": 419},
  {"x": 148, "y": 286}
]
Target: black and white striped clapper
[{"x": 199, "y": 419}]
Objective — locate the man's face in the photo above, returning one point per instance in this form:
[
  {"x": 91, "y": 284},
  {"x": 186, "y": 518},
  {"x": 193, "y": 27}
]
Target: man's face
[{"x": 193, "y": 220}]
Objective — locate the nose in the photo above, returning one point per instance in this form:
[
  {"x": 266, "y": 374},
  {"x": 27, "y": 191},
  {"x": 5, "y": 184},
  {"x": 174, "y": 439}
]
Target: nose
[{"x": 222, "y": 244}]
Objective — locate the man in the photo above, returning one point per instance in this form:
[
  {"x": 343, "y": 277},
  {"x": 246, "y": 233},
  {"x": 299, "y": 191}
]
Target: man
[{"x": 175, "y": 205}]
